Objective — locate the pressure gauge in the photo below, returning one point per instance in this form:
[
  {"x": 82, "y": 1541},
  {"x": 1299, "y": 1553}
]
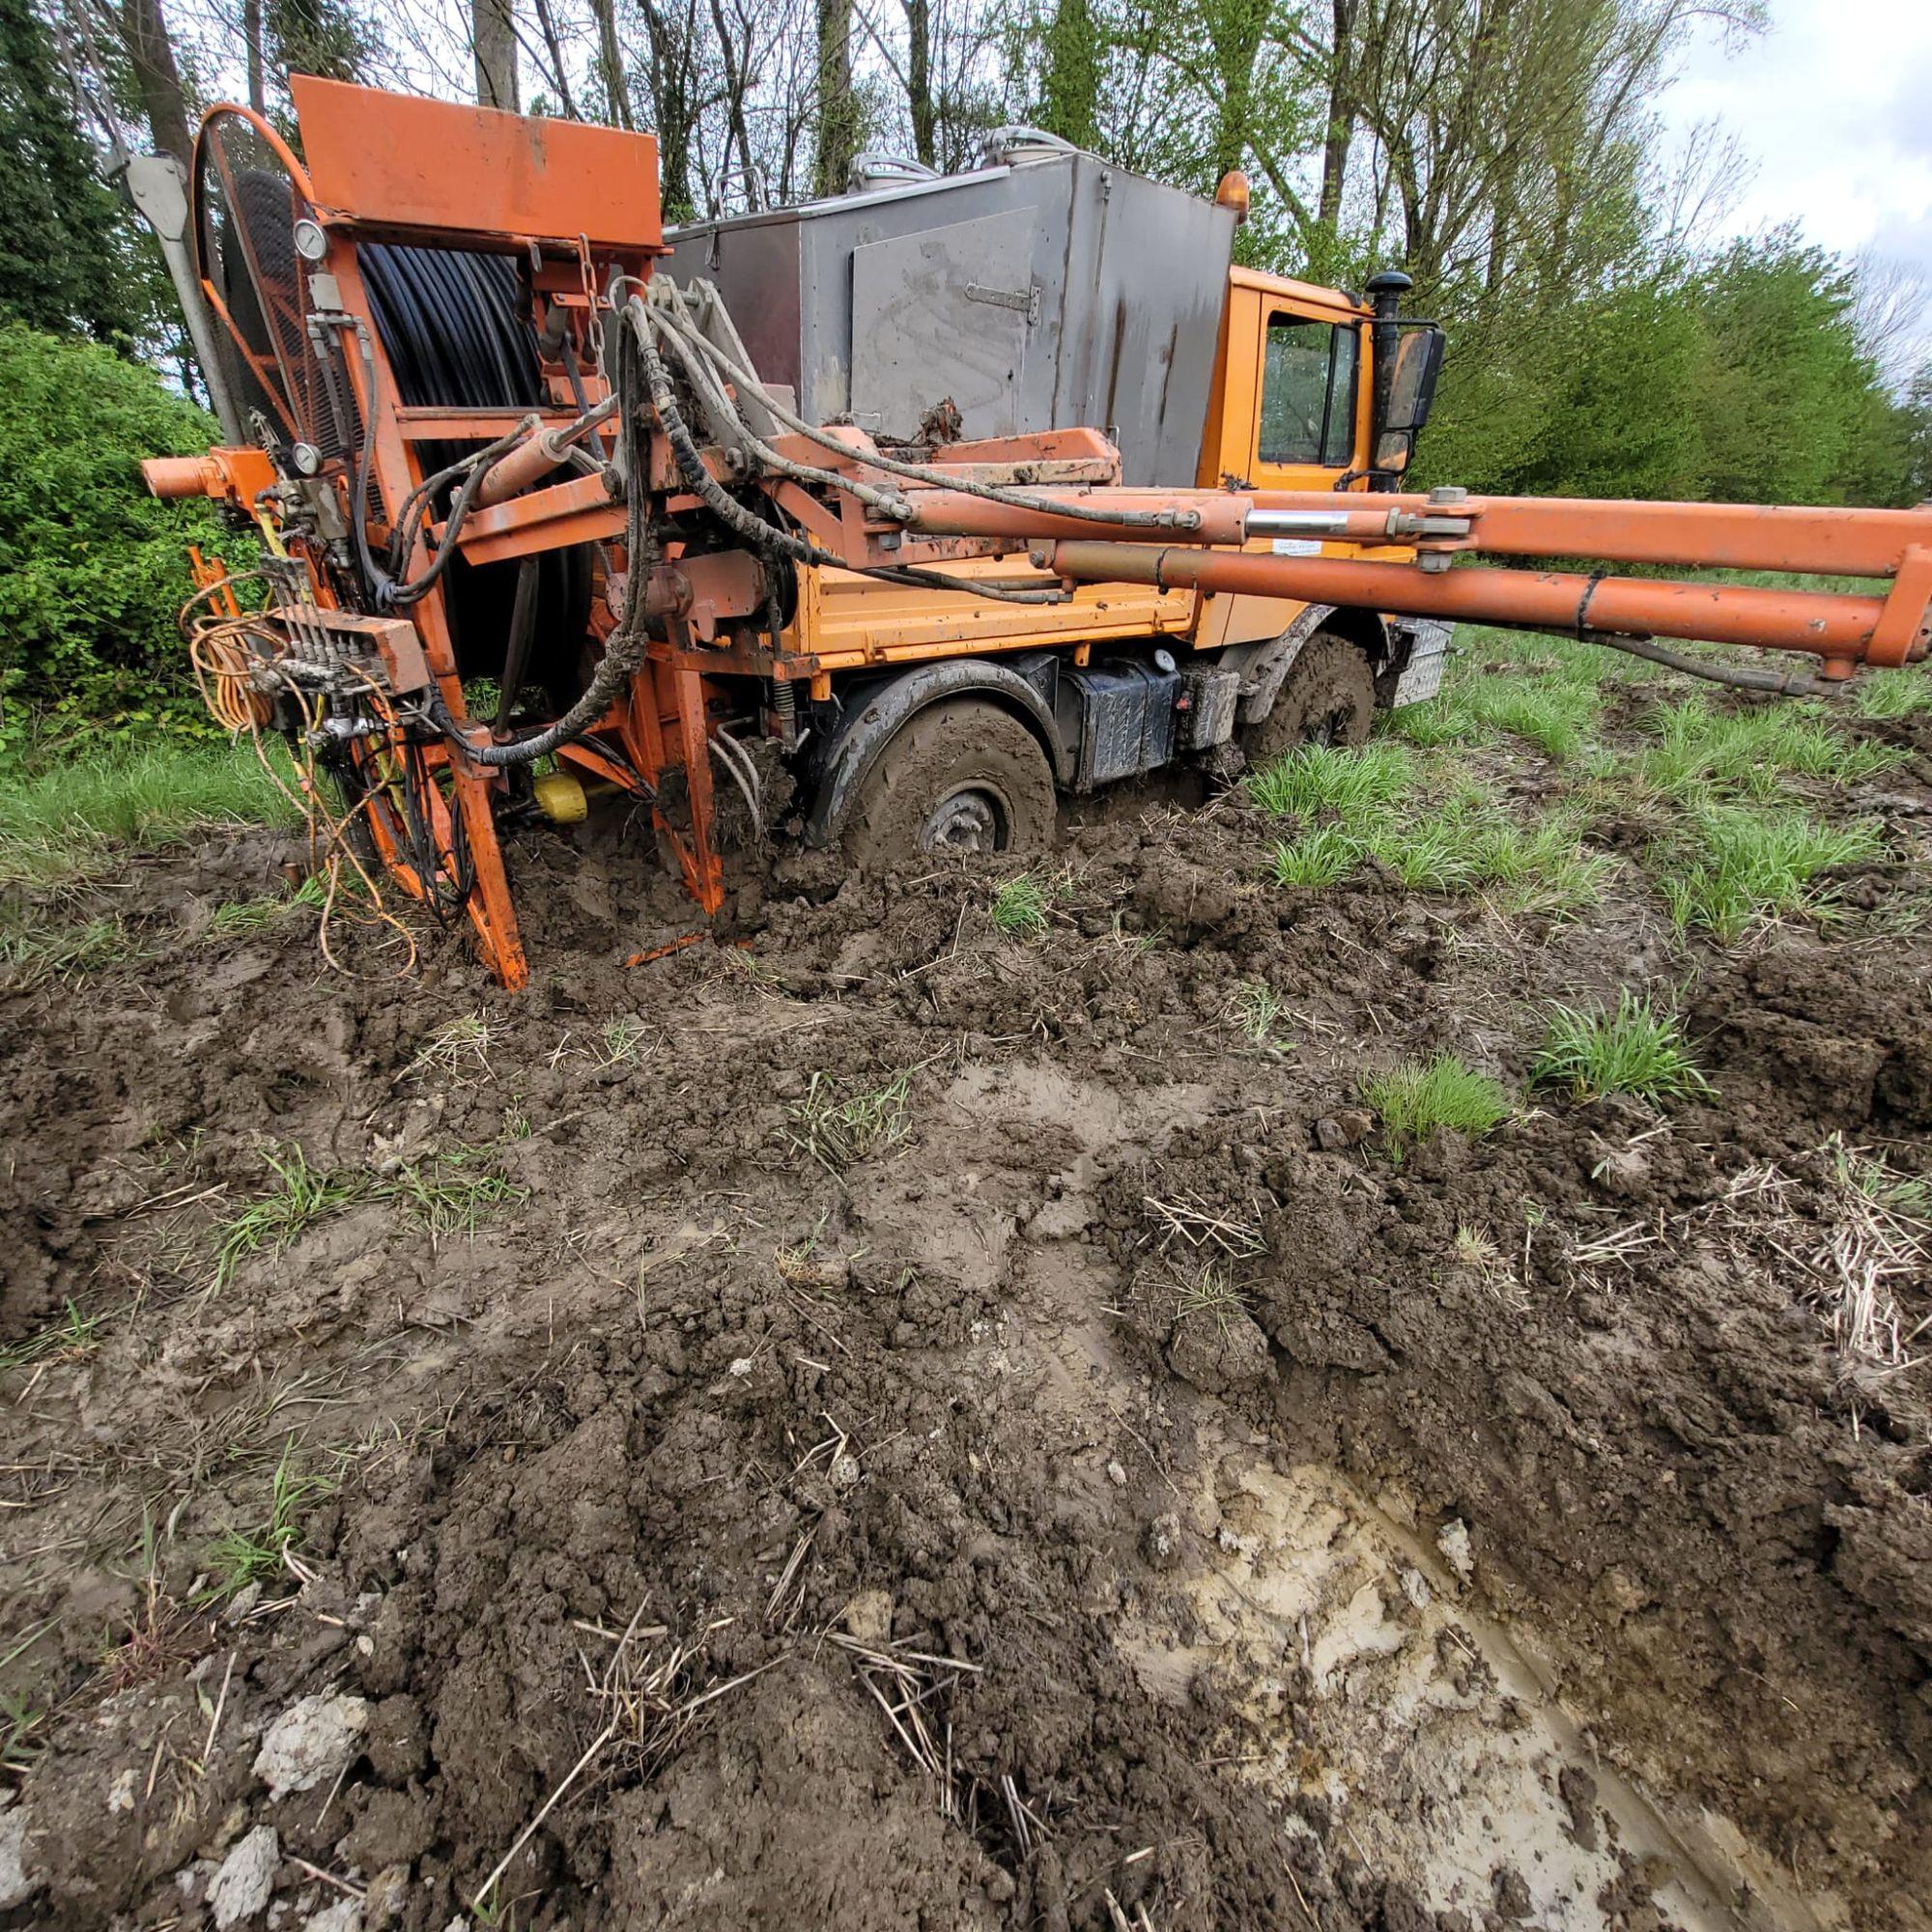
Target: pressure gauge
[
  {"x": 311, "y": 242},
  {"x": 306, "y": 458}
]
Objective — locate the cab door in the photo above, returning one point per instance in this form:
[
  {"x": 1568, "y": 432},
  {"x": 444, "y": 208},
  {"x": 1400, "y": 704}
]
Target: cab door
[
  {"x": 1310, "y": 394},
  {"x": 1292, "y": 408}
]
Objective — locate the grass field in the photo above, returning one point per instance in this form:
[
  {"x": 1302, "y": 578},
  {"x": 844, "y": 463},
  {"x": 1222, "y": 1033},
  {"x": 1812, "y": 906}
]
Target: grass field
[{"x": 59, "y": 817}]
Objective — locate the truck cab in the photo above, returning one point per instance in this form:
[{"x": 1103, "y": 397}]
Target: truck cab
[{"x": 1122, "y": 680}]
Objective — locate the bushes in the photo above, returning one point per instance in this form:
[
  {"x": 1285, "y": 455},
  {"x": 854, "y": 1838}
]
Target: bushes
[
  {"x": 91, "y": 568},
  {"x": 1736, "y": 378}
]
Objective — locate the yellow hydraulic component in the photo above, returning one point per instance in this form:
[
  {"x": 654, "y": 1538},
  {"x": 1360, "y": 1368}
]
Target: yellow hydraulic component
[{"x": 560, "y": 797}]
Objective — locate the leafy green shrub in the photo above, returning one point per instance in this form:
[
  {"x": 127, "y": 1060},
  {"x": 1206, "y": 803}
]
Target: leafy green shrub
[{"x": 91, "y": 568}]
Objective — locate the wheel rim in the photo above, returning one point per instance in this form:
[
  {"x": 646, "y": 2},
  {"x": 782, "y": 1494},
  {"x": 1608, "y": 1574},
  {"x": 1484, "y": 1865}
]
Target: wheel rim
[
  {"x": 972, "y": 819},
  {"x": 1332, "y": 730}
]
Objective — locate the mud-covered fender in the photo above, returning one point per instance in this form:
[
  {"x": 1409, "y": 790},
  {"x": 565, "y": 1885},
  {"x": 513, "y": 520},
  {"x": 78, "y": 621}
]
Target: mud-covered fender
[
  {"x": 1264, "y": 666},
  {"x": 1023, "y": 685}
]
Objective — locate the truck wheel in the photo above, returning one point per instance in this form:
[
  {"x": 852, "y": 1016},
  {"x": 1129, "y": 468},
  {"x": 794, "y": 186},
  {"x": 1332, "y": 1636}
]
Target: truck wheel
[
  {"x": 965, "y": 776},
  {"x": 1328, "y": 698}
]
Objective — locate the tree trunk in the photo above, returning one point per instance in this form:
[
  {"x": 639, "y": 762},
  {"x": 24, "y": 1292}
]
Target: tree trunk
[
  {"x": 559, "y": 73},
  {"x": 610, "y": 59},
  {"x": 919, "y": 81},
  {"x": 838, "y": 129},
  {"x": 145, "y": 29},
  {"x": 738, "y": 135},
  {"x": 494, "y": 32},
  {"x": 251, "y": 34},
  {"x": 674, "y": 102},
  {"x": 1336, "y": 142}
]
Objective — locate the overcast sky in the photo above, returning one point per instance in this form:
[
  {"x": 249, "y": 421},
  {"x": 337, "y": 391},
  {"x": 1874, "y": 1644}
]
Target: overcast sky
[{"x": 1833, "y": 106}]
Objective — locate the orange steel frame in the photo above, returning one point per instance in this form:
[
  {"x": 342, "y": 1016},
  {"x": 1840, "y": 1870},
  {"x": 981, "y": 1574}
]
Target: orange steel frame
[
  {"x": 574, "y": 200},
  {"x": 578, "y": 202}
]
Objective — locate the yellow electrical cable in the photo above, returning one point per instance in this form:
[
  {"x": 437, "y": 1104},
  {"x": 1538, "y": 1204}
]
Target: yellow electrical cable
[{"x": 219, "y": 655}]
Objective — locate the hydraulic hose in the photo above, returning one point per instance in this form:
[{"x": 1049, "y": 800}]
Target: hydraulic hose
[
  {"x": 623, "y": 651},
  {"x": 920, "y": 473},
  {"x": 747, "y": 523}
]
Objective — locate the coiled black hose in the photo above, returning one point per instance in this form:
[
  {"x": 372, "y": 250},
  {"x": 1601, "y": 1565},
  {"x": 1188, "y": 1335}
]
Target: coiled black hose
[
  {"x": 449, "y": 319},
  {"x": 453, "y": 327}
]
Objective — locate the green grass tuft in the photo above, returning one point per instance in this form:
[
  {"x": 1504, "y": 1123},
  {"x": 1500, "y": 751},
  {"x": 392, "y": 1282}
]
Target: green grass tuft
[
  {"x": 1541, "y": 867},
  {"x": 1466, "y": 844},
  {"x": 1630, "y": 1049},
  {"x": 1317, "y": 778},
  {"x": 1022, "y": 907},
  {"x": 73, "y": 1339},
  {"x": 240, "y": 918},
  {"x": 253, "y": 1555},
  {"x": 1698, "y": 750},
  {"x": 33, "y": 952},
  {"x": 1907, "y": 1196},
  {"x": 1417, "y": 1097},
  {"x": 300, "y": 1197},
  {"x": 836, "y": 1132},
  {"x": 56, "y": 821},
  {"x": 1317, "y": 858},
  {"x": 623, "y": 1037},
  {"x": 1257, "y": 1009},
  {"x": 450, "y": 1192},
  {"x": 1740, "y": 863},
  {"x": 1554, "y": 716},
  {"x": 1891, "y": 694},
  {"x": 1435, "y": 854}
]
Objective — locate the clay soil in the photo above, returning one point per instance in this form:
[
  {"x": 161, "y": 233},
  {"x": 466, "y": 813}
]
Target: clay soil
[{"x": 893, "y": 1422}]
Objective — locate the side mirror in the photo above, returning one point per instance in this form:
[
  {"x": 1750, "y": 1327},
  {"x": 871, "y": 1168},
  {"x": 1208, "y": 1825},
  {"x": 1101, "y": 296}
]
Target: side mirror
[{"x": 1411, "y": 394}]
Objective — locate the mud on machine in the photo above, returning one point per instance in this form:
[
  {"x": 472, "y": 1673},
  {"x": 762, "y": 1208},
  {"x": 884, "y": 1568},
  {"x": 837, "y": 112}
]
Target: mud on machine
[{"x": 944, "y": 496}]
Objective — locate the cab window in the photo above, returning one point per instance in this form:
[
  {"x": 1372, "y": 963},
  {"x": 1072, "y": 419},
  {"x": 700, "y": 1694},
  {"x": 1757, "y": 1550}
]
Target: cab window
[{"x": 1308, "y": 391}]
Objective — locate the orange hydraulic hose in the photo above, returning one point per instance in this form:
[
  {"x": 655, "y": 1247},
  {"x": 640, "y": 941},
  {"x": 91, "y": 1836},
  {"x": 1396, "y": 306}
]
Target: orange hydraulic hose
[{"x": 1826, "y": 625}]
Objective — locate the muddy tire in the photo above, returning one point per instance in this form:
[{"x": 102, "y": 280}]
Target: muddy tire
[
  {"x": 1328, "y": 698},
  {"x": 965, "y": 776}
]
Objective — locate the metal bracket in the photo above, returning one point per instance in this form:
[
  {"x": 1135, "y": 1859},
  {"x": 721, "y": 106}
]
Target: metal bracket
[{"x": 1026, "y": 301}]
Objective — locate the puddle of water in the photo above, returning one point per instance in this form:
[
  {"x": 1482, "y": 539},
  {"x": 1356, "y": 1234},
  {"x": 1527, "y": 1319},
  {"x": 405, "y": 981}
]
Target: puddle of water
[{"x": 1432, "y": 1733}]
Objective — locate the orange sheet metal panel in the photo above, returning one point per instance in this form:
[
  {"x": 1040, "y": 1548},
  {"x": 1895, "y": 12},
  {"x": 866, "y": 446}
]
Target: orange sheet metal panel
[
  {"x": 394, "y": 161},
  {"x": 845, "y": 620}
]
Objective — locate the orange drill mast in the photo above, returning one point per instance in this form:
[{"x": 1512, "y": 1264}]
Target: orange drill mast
[{"x": 486, "y": 440}]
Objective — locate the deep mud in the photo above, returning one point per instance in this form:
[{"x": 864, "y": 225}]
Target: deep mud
[{"x": 1245, "y": 1529}]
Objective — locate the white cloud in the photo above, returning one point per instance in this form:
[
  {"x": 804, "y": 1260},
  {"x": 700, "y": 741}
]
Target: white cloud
[{"x": 1833, "y": 107}]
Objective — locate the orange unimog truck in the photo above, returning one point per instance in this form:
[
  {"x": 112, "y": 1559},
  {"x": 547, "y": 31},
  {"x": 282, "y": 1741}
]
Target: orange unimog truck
[
  {"x": 1043, "y": 290},
  {"x": 948, "y": 496}
]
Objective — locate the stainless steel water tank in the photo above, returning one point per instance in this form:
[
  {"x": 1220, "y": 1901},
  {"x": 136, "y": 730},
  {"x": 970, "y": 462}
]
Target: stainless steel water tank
[{"x": 1048, "y": 293}]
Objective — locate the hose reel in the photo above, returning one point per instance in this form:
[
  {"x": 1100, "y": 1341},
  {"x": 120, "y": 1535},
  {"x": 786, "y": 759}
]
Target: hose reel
[{"x": 454, "y": 328}]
